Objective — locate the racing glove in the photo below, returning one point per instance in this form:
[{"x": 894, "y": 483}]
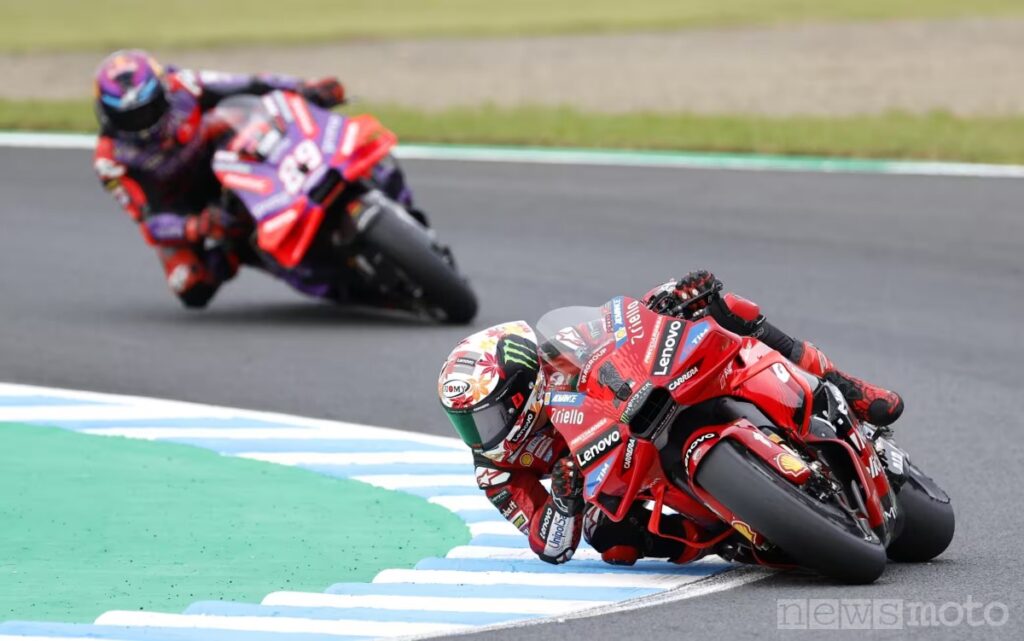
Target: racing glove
[
  {"x": 323, "y": 92},
  {"x": 556, "y": 533},
  {"x": 689, "y": 295},
  {"x": 212, "y": 222},
  {"x": 699, "y": 295}
]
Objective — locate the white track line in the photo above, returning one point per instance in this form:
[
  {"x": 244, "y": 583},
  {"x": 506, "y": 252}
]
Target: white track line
[
  {"x": 291, "y": 625},
  {"x": 426, "y": 603},
  {"x": 40, "y": 140},
  {"x": 613, "y": 158}
]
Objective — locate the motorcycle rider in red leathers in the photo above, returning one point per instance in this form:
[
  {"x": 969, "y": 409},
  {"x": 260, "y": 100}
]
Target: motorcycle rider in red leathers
[
  {"x": 154, "y": 152},
  {"x": 493, "y": 388}
]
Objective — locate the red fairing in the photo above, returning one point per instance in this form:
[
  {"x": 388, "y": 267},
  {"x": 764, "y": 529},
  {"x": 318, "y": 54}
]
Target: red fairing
[
  {"x": 365, "y": 142},
  {"x": 774, "y": 385},
  {"x": 288, "y": 234},
  {"x": 649, "y": 367}
]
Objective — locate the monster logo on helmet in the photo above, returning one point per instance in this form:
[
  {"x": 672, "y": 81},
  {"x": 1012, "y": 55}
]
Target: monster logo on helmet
[
  {"x": 499, "y": 390},
  {"x": 516, "y": 350}
]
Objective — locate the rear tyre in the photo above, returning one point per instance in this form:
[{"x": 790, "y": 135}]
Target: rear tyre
[
  {"x": 406, "y": 244},
  {"x": 928, "y": 521},
  {"x": 815, "y": 535}
]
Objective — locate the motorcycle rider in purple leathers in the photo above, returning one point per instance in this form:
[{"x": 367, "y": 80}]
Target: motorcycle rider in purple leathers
[{"x": 154, "y": 152}]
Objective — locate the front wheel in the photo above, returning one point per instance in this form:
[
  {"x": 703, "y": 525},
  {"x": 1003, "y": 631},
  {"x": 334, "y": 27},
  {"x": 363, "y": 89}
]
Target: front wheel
[
  {"x": 407, "y": 246},
  {"x": 816, "y": 535},
  {"x": 928, "y": 522}
]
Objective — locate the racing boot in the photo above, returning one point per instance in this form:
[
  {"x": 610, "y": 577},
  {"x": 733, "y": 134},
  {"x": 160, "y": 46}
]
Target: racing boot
[
  {"x": 626, "y": 541},
  {"x": 870, "y": 403}
]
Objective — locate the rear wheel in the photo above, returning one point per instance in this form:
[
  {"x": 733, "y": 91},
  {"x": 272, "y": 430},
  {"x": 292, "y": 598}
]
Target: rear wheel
[
  {"x": 407, "y": 246},
  {"x": 816, "y": 535},
  {"x": 928, "y": 521}
]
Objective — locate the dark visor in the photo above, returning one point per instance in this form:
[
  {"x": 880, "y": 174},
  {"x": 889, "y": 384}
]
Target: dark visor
[
  {"x": 140, "y": 118},
  {"x": 487, "y": 426},
  {"x": 483, "y": 428}
]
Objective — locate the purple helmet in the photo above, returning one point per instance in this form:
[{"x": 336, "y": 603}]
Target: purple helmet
[{"x": 130, "y": 94}]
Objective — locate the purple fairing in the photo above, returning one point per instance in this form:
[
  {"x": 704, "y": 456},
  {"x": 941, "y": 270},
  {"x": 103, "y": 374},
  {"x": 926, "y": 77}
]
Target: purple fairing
[
  {"x": 317, "y": 290},
  {"x": 388, "y": 177},
  {"x": 166, "y": 227},
  {"x": 305, "y": 280}
]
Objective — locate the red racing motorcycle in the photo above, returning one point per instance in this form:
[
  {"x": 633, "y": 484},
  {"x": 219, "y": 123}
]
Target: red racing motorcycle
[{"x": 766, "y": 458}]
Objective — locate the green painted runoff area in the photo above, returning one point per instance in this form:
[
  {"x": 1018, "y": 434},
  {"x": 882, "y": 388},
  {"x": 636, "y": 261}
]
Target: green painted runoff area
[
  {"x": 89, "y": 524},
  {"x": 105, "y": 24}
]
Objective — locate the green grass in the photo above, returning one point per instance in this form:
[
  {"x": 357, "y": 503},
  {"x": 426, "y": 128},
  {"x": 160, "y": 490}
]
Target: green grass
[
  {"x": 105, "y": 24},
  {"x": 96, "y": 523},
  {"x": 937, "y": 136}
]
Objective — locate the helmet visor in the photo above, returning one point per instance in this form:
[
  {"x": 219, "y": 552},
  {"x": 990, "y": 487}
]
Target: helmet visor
[
  {"x": 138, "y": 120},
  {"x": 483, "y": 428}
]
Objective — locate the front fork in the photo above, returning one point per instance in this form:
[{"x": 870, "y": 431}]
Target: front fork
[
  {"x": 870, "y": 483},
  {"x": 865, "y": 483}
]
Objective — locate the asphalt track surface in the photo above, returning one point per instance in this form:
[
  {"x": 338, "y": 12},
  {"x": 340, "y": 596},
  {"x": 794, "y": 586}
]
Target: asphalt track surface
[{"x": 914, "y": 282}]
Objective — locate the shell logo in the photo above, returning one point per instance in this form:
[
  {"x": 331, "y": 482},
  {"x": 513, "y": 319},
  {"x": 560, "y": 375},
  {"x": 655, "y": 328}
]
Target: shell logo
[
  {"x": 790, "y": 464},
  {"x": 743, "y": 529}
]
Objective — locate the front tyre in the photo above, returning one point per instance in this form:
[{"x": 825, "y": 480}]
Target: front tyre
[
  {"x": 407, "y": 246},
  {"x": 928, "y": 521},
  {"x": 816, "y": 535}
]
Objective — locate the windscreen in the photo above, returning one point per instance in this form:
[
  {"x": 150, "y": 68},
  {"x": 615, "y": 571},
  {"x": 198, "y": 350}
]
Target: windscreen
[
  {"x": 245, "y": 118},
  {"x": 569, "y": 335}
]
